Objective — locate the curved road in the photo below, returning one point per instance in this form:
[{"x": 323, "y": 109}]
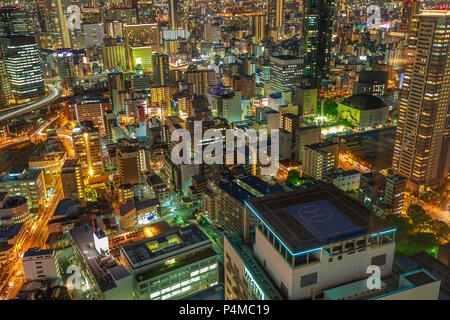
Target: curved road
[{"x": 54, "y": 94}]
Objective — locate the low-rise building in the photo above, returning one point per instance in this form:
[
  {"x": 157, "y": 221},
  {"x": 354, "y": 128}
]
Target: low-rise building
[
  {"x": 172, "y": 265},
  {"x": 27, "y": 183},
  {"x": 40, "y": 263}
]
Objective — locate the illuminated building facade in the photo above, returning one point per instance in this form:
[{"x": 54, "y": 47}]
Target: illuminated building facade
[
  {"x": 72, "y": 180},
  {"x": 291, "y": 258},
  {"x": 189, "y": 264},
  {"x": 421, "y": 152},
  {"x": 86, "y": 143},
  {"x": 141, "y": 41},
  {"x": 22, "y": 60},
  {"x": 285, "y": 72},
  {"x": 66, "y": 68},
  {"x": 89, "y": 108},
  {"x": 160, "y": 70},
  {"x": 27, "y": 183},
  {"x": 320, "y": 159},
  {"x": 317, "y": 34},
  {"x": 306, "y": 99}
]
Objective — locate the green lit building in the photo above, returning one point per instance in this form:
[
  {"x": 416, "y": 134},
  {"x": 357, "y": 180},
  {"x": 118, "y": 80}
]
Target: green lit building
[{"x": 172, "y": 265}]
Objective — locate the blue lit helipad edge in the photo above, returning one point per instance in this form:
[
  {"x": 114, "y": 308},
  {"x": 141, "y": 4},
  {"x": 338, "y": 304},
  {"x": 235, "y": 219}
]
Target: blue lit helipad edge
[{"x": 304, "y": 251}]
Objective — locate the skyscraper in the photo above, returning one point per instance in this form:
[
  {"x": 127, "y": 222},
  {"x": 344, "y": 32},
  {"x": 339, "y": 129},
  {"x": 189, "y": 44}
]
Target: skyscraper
[
  {"x": 285, "y": 72},
  {"x": 275, "y": 13},
  {"x": 317, "y": 33},
  {"x": 421, "y": 152},
  {"x": 23, "y": 65},
  {"x": 66, "y": 68},
  {"x": 88, "y": 150},
  {"x": 160, "y": 70},
  {"x": 259, "y": 27},
  {"x": 173, "y": 14}
]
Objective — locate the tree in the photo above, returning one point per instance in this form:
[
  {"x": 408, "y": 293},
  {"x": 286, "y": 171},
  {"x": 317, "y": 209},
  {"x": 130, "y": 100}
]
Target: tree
[
  {"x": 419, "y": 242},
  {"x": 440, "y": 229},
  {"x": 419, "y": 217},
  {"x": 293, "y": 177},
  {"x": 404, "y": 226}
]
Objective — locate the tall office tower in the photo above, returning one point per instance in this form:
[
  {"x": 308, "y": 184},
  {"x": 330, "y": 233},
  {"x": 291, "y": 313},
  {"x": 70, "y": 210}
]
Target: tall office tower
[
  {"x": 395, "y": 192},
  {"x": 66, "y": 68},
  {"x": 160, "y": 70},
  {"x": 409, "y": 8},
  {"x": 306, "y": 99},
  {"x": 5, "y": 88},
  {"x": 199, "y": 80},
  {"x": 317, "y": 34},
  {"x": 320, "y": 159},
  {"x": 259, "y": 27},
  {"x": 421, "y": 151},
  {"x": 275, "y": 14},
  {"x": 72, "y": 180},
  {"x": 285, "y": 72},
  {"x": 23, "y": 66},
  {"x": 127, "y": 158},
  {"x": 86, "y": 142},
  {"x": 173, "y": 14},
  {"x": 141, "y": 41}
]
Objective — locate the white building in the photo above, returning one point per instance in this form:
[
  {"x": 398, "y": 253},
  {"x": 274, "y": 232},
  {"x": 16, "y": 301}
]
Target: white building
[
  {"x": 40, "y": 263},
  {"x": 310, "y": 241},
  {"x": 345, "y": 180}
]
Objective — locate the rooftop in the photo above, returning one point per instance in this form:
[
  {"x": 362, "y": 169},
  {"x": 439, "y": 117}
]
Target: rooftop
[
  {"x": 364, "y": 101},
  {"x": 316, "y": 216},
  {"x": 33, "y": 252},
  {"x": 149, "y": 250}
]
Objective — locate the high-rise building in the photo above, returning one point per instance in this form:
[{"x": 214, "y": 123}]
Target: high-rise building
[
  {"x": 128, "y": 164},
  {"x": 285, "y": 72},
  {"x": 141, "y": 41},
  {"x": 160, "y": 70},
  {"x": 395, "y": 192},
  {"x": 86, "y": 143},
  {"x": 259, "y": 27},
  {"x": 306, "y": 99},
  {"x": 371, "y": 82},
  {"x": 317, "y": 35},
  {"x": 319, "y": 159},
  {"x": 199, "y": 80},
  {"x": 213, "y": 32},
  {"x": 89, "y": 108},
  {"x": 22, "y": 60},
  {"x": 421, "y": 152},
  {"x": 66, "y": 68},
  {"x": 114, "y": 53},
  {"x": 409, "y": 8},
  {"x": 276, "y": 14},
  {"x": 173, "y": 14},
  {"x": 317, "y": 242},
  {"x": 72, "y": 180},
  {"x": 228, "y": 105},
  {"x": 27, "y": 183}
]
